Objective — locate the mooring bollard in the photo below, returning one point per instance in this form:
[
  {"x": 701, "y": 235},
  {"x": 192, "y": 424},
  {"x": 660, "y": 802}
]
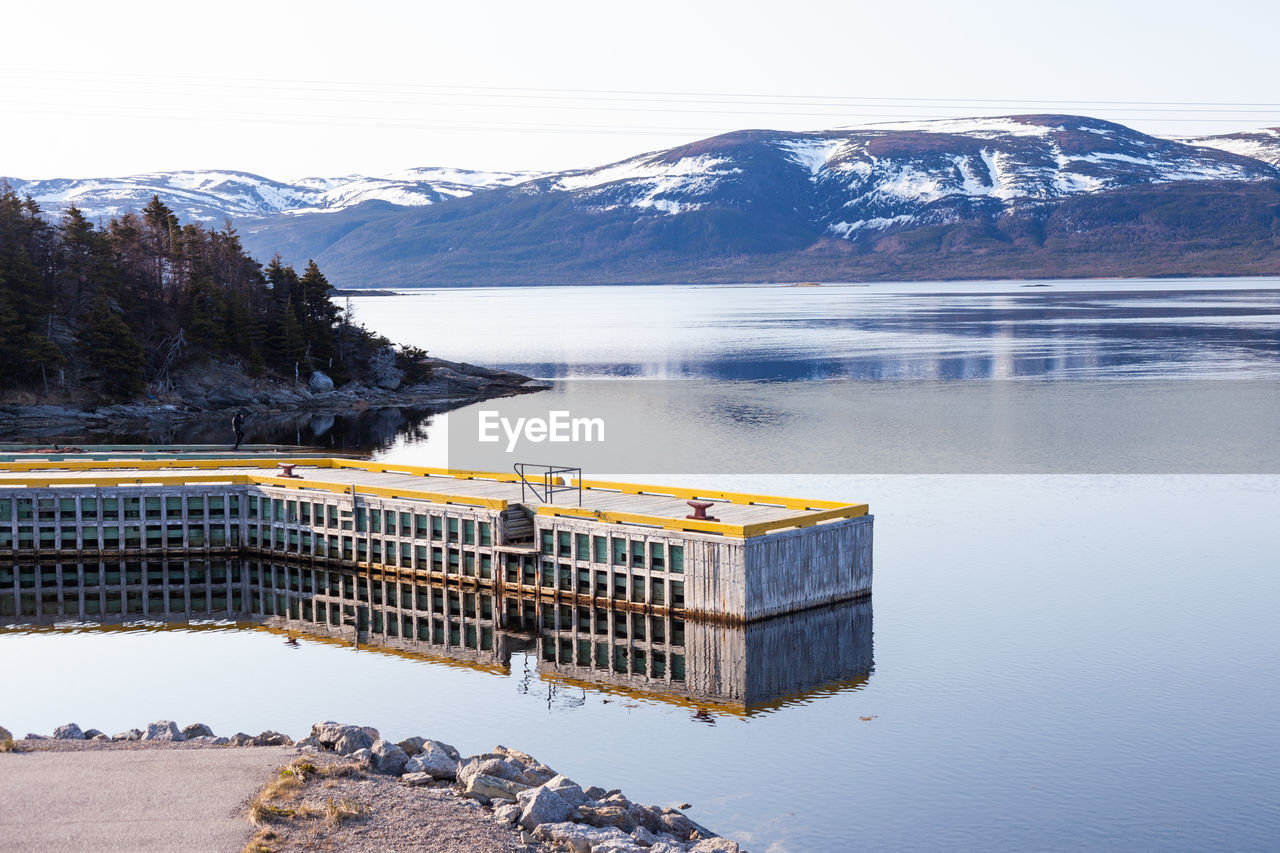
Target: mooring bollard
[{"x": 700, "y": 511}]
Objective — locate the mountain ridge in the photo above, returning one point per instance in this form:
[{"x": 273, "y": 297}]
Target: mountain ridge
[{"x": 1042, "y": 194}]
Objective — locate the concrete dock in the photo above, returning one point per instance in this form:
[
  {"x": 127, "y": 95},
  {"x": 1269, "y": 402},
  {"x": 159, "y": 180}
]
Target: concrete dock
[{"x": 634, "y": 547}]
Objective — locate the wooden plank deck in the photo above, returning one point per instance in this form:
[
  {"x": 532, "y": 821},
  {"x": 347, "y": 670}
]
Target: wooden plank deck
[{"x": 655, "y": 502}]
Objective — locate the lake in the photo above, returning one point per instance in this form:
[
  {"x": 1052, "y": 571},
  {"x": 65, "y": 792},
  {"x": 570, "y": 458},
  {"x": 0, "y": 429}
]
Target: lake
[{"x": 1071, "y": 641}]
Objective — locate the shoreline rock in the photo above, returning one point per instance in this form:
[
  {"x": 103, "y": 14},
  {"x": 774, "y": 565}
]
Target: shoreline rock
[
  {"x": 211, "y": 390},
  {"x": 515, "y": 789}
]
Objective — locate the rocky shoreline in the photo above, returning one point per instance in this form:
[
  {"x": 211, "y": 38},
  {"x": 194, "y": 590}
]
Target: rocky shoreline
[
  {"x": 215, "y": 390},
  {"x": 505, "y": 789}
]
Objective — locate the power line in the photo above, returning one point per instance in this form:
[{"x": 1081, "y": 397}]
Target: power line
[{"x": 775, "y": 99}]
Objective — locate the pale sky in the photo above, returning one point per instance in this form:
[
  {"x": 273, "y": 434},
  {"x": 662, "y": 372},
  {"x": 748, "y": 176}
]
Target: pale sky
[{"x": 290, "y": 89}]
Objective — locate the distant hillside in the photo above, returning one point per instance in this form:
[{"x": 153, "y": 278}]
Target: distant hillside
[
  {"x": 213, "y": 196},
  {"x": 1018, "y": 196}
]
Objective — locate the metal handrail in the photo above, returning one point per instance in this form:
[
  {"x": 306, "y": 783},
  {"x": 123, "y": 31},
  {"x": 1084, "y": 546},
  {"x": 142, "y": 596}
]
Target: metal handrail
[{"x": 552, "y": 481}]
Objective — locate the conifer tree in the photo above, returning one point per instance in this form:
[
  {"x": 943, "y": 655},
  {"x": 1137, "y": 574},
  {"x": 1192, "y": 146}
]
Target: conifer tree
[{"x": 111, "y": 351}]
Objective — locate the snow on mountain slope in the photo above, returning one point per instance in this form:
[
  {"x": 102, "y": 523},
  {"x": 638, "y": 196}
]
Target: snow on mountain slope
[
  {"x": 886, "y": 175},
  {"x": 1261, "y": 144},
  {"x": 894, "y": 174},
  {"x": 217, "y": 195},
  {"x": 842, "y": 182}
]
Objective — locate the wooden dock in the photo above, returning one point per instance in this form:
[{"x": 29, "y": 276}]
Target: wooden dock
[{"x": 636, "y": 547}]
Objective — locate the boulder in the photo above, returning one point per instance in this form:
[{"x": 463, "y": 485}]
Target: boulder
[
  {"x": 352, "y": 741},
  {"x": 504, "y": 767},
  {"x": 388, "y": 758},
  {"x": 647, "y": 816},
  {"x": 583, "y": 839},
  {"x": 676, "y": 823},
  {"x": 714, "y": 845},
  {"x": 5, "y": 734},
  {"x": 34, "y": 736},
  {"x": 131, "y": 734},
  {"x": 241, "y": 739},
  {"x": 165, "y": 730},
  {"x": 270, "y": 738},
  {"x": 197, "y": 730},
  {"x": 414, "y": 780},
  {"x": 412, "y": 745},
  {"x": 363, "y": 757},
  {"x": 92, "y": 734},
  {"x": 319, "y": 383},
  {"x": 492, "y": 788},
  {"x": 613, "y": 845},
  {"x": 507, "y": 814},
  {"x": 595, "y": 792},
  {"x": 101, "y": 738},
  {"x": 542, "y": 805},
  {"x": 607, "y": 815},
  {"x": 644, "y": 837},
  {"x": 70, "y": 731},
  {"x": 344, "y": 739},
  {"x": 535, "y": 771},
  {"x": 568, "y": 790},
  {"x": 433, "y": 759},
  {"x": 667, "y": 847}
]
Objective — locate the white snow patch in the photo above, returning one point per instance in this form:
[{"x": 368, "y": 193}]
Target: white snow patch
[
  {"x": 1000, "y": 126},
  {"x": 812, "y": 154},
  {"x": 1261, "y": 145},
  {"x": 879, "y": 223},
  {"x": 913, "y": 184},
  {"x": 647, "y": 167},
  {"x": 665, "y": 205}
]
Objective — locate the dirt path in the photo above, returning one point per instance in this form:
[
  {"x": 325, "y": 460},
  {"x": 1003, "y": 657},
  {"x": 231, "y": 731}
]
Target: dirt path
[{"x": 132, "y": 800}]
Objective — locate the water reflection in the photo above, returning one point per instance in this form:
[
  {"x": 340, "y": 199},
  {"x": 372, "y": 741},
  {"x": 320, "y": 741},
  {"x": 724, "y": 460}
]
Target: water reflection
[
  {"x": 709, "y": 668},
  {"x": 945, "y": 332},
  {"x": 368, "y": 430}
]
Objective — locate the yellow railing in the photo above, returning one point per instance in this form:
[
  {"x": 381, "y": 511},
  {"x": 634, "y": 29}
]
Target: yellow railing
[
  {"x": 148, "y": 471},
  {"x": 703, "y": 494},
  {"x": 739, "y": 531},
  {"x": 241, "y": 479}
]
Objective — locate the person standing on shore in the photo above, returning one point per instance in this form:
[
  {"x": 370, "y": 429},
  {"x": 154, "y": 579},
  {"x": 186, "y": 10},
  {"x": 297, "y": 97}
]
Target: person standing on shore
[{"x": 237, "y": 425}]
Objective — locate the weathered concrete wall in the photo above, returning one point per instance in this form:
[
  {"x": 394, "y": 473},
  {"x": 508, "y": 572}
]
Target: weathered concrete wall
[
  {"x": 808, "y": 566},
  {"x": 716, "y": 578}
]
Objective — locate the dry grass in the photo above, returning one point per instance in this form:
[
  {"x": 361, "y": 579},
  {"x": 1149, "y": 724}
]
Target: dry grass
[
  {"x": 261, "y": 842},
  {"x": 7, "y": 745},
  {"x": 281, "y": 804},
  {"x": 340, "y": 812}
]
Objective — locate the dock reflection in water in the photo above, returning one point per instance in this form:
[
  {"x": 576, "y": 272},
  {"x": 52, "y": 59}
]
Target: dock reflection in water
[{"x": 718, "y": 668}]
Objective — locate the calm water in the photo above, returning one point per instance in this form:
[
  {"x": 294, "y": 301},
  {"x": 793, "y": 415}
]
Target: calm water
[{"x": 1059, "y": 661}]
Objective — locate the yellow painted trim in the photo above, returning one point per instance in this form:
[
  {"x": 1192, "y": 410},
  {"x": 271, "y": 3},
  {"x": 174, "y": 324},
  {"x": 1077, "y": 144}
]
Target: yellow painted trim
[
  {"x": 158, "y": 464},
  {"x": 702, "y": 494},
  {"x": 815, "y": 511},
  {"x": 739, "y": 531},
  {"x": 423, "y": 471},
  {"x": 141, "y": 479},
  {"x": 378, "y": 491},
  {"x": 666, "y": 523},
  {"x": 809, "y": 520}
]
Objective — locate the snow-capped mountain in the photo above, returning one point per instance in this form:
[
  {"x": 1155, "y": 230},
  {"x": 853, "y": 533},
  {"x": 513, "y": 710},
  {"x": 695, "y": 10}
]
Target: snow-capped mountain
[
  {"x": 982, "y": 197},
  {"x": 1263, "y": 144},
  {"x": 894, "y": 175},
  {"x": 217, "y": 195}
]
